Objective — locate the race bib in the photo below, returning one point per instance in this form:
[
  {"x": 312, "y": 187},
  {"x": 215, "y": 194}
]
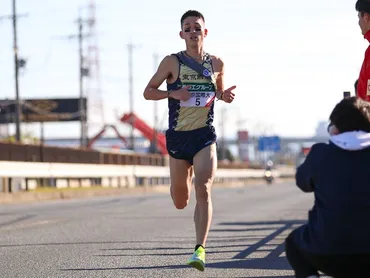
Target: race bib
[{"x": 199, "y": 99}]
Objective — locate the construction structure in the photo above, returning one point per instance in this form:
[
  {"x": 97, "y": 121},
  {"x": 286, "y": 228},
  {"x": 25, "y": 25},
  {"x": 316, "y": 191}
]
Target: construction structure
[
  {"x": 136, "y": 123},
  {"x": 95, "y": 111}
]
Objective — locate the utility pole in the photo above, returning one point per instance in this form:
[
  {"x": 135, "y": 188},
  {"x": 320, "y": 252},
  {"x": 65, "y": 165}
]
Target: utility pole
[
  {"x": 16, "y": 76},
  {"x": 131, "y": 48},
  {"x": 242, "y": 141},
  {"x": 18, "y": 108},
  {"x": 155, "y": 129},
  {"x": 81, "y": 83},
  {"x": 89, "y": 67},
  {"x": 223, "y": 143},
  {"x": 82, "y": 72}
]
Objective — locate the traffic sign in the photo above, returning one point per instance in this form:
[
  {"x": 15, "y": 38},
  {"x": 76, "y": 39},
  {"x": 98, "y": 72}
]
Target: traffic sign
[{"x": 269, "y": 143}]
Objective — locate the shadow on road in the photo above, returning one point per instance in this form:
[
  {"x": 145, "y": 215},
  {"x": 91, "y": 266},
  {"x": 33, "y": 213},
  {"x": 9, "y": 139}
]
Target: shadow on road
[
  {"x": 251, "y": 245},
  {"x": 264, "y": 253}
]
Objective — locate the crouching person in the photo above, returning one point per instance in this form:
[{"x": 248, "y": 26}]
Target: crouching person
[{"x": 336, "y": 238}]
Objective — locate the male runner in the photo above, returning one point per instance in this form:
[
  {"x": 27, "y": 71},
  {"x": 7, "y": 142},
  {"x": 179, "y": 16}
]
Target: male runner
[
  {"x": 363, "y": 86},
  {"x": 191, "y": 135}
]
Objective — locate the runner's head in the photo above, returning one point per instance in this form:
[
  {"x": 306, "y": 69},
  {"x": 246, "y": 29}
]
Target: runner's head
[
  {"x": 350, "y": 114},
  {"x": 193, "y": 29},
  {"x": 363, "y": 9}
]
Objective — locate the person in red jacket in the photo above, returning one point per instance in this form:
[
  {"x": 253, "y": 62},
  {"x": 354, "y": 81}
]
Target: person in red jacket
[{"x": 363, "y": 86}]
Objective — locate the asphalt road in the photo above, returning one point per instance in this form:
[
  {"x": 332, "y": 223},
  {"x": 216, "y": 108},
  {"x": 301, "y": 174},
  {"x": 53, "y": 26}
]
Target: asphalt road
[{"x": 145, "y": 236}]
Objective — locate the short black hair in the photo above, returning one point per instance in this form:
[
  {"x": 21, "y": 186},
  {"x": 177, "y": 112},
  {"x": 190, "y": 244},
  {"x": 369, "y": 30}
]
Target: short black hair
[
  {"x": 351, "y": 114},
  {"x": 190, "y": 13},
  {"x": 363, "y": 6}
]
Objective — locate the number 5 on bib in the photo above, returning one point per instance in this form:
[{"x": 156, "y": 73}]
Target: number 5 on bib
[{"x": 199, "y": 99}]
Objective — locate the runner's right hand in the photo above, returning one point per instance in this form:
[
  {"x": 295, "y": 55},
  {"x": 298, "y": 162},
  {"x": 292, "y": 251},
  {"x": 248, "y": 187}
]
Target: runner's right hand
[{"x": 181, "y": 94}]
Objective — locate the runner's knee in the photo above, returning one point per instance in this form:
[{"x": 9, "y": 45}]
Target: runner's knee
[
  {"x": 203, "y": 192},
  {"x": 180, "y": 198},
  {"x": 180, "y": 203}
]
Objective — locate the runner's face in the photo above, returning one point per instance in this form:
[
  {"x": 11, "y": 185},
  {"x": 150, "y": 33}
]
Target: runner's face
[
  {"x": 193, "y": 31},
  {"x": 364, "y": 22}
]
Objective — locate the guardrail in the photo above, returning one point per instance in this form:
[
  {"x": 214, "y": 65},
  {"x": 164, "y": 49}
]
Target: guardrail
[
  {"x": 17, "y": 176},
  {"x": 42, "y": 153}
]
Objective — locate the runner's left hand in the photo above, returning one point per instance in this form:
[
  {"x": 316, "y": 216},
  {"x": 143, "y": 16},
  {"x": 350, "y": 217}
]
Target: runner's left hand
[{"x": 228, "y": 95}]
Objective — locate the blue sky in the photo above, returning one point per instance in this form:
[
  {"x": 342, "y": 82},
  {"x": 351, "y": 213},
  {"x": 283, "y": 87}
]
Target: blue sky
[{"x": 291, "y": 60}]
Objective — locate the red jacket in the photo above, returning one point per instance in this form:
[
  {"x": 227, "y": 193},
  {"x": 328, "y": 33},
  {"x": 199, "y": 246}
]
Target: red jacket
[{"x": 363, "y": 87}]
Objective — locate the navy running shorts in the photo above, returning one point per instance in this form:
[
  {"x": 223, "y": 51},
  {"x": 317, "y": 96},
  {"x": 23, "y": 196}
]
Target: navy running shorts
[{"x": 186, "y": 144}]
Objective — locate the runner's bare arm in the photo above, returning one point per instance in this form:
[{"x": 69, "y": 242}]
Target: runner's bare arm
[
  {"x": 164, "y": 71},
  {"x": 218, "y": 65},
  {"x": 222, "y": 94}
]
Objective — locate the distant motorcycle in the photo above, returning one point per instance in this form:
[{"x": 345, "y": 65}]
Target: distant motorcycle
[{"x": 268, "y": 176}]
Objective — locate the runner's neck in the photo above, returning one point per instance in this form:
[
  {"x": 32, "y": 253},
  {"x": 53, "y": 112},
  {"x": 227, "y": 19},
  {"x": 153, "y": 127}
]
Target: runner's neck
[{"x": 196, "y": 54}]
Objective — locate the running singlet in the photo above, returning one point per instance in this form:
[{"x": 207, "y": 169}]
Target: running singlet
[{"x": 197, "y": 112}]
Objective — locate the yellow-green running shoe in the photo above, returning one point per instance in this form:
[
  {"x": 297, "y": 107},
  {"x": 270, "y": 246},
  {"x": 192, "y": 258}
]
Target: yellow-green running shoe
[{"x": 198, "y": 260}]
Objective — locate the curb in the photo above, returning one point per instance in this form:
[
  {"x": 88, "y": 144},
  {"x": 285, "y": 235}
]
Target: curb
[{"x": 34, "y": 197}]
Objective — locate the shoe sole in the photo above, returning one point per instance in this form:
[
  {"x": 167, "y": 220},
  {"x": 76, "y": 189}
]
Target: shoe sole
[{"x": 197, "y": 265}]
